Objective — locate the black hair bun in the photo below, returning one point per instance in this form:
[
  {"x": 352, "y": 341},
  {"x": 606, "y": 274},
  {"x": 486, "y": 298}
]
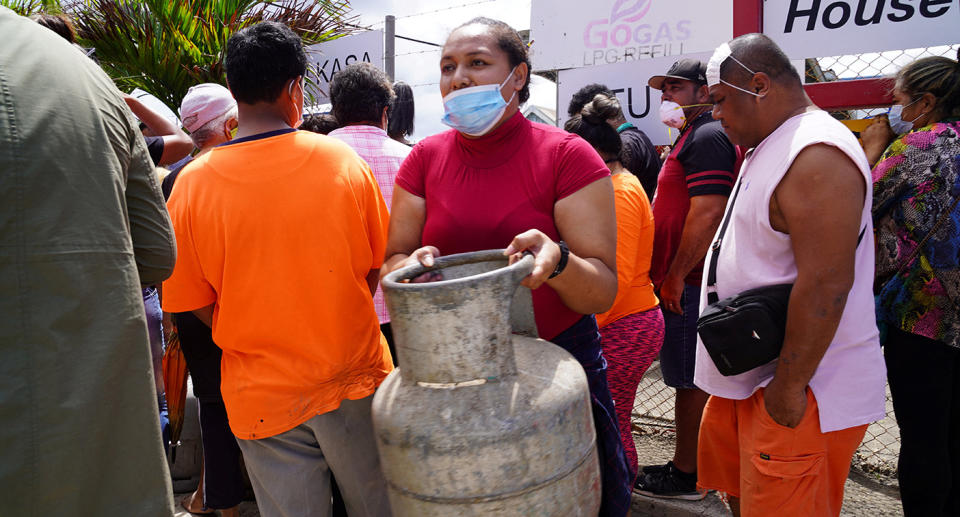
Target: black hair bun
[{"x": 601, "y": 109}]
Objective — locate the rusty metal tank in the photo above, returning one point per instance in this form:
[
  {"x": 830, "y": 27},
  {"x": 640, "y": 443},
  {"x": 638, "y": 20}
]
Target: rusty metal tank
[{"x": 478, "y": 420}]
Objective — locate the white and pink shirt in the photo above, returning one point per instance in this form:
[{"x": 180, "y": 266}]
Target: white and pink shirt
[
  {"x": 850, "y": 381},
  {"x": 384, "y": 155}
]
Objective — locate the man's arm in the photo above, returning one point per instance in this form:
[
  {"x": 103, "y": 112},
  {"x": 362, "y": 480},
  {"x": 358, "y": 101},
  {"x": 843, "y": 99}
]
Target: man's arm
[
  {"x": 819, "y": 203},
  {"x": 154, "y": 245},
  {"x": 700, "y": 226},
  {"x": 373, "y": 279},
  {"x": 176, "y": 143},
  {"x": 407, "y": 217},
  {"x": 205, "y": 314}
]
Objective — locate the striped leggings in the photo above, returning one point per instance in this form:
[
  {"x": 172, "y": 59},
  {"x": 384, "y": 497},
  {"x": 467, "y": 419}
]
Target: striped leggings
[{"x": 630, "y": 344}]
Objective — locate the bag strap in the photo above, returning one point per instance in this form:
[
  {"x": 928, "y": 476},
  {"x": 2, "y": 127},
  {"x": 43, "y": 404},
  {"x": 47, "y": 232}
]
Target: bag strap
[
  {"x": 712, "y": 296},
  {"x": 916, "y": 251}
]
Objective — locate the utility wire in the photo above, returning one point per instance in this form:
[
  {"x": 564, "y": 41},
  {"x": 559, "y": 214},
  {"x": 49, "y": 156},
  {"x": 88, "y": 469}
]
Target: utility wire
[
  {"x": 418, "y": 52},
  {"x": 399, "y": 36},
  {"x": 417, "y": 40},
  {"x": 468, "y": 4},
  {"x": 355, "y": 26}
]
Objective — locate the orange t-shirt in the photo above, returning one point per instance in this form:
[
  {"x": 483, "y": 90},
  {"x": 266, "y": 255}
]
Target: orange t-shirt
[
  {"x": 634, "y": 249},
  {"x": 280, "y": 232}
]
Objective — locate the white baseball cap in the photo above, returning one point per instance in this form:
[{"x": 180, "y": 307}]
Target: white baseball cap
[{"x": 203, "y": 103}]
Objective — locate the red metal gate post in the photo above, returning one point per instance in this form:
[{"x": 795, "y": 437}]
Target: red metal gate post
[{"x": 747, "y": 17}]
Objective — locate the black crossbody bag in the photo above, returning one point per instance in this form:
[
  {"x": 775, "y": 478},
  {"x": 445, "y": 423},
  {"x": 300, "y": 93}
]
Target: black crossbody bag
[{"x": 746, "y": 330}]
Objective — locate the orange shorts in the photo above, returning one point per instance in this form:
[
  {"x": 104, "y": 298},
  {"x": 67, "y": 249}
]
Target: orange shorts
[{"x": 773, "y": 469}]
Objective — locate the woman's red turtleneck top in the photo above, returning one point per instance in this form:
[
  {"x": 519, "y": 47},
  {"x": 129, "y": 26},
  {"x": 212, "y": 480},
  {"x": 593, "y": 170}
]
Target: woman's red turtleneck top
[{"x": 482, "y": 192}]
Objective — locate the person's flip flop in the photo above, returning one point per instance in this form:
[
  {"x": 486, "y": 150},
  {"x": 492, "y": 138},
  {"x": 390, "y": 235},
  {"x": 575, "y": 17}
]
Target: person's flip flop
[{"x": 202, "y": 511}]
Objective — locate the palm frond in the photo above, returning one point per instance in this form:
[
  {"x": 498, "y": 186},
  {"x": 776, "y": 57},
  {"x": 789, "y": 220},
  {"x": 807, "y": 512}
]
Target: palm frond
[
  {"x": 166, "y": 47},
  {"x": 31, "y": 7},
  {"x": 313, "y": 21}
]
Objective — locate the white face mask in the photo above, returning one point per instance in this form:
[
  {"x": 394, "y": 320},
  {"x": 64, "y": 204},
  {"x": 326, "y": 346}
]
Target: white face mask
[
  {"x": 672, "y": 113},
  {"x": 713, "y": 68}
]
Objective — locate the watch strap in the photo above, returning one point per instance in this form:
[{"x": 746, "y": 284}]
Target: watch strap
[{"x": 564, "y": 257}]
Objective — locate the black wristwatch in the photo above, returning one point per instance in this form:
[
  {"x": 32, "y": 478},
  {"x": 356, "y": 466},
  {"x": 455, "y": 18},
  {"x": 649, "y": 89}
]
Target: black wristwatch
[{"x": 564, "y": 256}]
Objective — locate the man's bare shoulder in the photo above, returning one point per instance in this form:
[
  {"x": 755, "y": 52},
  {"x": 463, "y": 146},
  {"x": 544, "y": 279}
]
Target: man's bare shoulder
[
  {"x": 820, "y": 178},
  {"x": 822, "y": 167}
]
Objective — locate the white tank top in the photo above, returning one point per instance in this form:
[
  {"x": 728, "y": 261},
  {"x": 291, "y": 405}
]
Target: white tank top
[{"x": 850, "y": 381}]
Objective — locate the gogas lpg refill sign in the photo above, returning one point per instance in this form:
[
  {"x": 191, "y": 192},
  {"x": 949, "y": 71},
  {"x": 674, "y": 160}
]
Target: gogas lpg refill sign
[
  {"x": 817, "y": 28},
  {"x": 640, "y": 103},
  {"x": 574, "y": 33}
]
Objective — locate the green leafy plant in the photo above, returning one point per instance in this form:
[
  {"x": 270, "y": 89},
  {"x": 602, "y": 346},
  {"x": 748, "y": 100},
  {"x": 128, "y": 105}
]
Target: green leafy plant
[
  {"x": 31, "y": 7},
  {"x": 165, "y": 47}
]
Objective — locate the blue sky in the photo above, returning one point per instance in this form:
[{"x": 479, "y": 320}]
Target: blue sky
[{"x": 432, "y": 20}]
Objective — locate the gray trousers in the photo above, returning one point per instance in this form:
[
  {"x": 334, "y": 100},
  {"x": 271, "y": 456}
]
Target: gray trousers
[{"x": 290, "y": 472}]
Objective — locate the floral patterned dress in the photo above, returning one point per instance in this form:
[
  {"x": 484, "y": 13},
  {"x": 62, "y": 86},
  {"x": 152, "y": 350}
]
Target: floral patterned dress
[{"x": 916, "y": 180}]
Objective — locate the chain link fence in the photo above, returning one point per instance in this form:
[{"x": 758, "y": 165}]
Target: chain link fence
[
  {"x": 870, "y": 65},
  {"x": 877, "y": 455}
]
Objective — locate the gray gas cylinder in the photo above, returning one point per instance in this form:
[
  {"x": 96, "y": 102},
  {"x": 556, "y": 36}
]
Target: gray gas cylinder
[{"x": 479, "y": 421}]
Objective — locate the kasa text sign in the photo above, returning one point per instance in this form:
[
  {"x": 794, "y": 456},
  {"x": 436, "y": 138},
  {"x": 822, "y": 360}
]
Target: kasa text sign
[
  {"x": 818, "y": 28},
  {"x": 325, "y": 59},
  {"x": 573, "y": 33}
]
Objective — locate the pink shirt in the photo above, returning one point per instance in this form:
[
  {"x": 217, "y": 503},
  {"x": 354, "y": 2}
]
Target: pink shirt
[
  {"x": 384, "y": 155},
  {"x": 480, "y": 193},
  {"x": 850, "y": 381}
]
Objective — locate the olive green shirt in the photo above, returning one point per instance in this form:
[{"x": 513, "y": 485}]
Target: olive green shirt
[{"x": 82, "y": 227}]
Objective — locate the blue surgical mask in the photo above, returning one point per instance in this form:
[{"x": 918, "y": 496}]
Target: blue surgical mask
[
  {"x": 475, "y": 110},
  {"x": 897, "y": 124}
]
